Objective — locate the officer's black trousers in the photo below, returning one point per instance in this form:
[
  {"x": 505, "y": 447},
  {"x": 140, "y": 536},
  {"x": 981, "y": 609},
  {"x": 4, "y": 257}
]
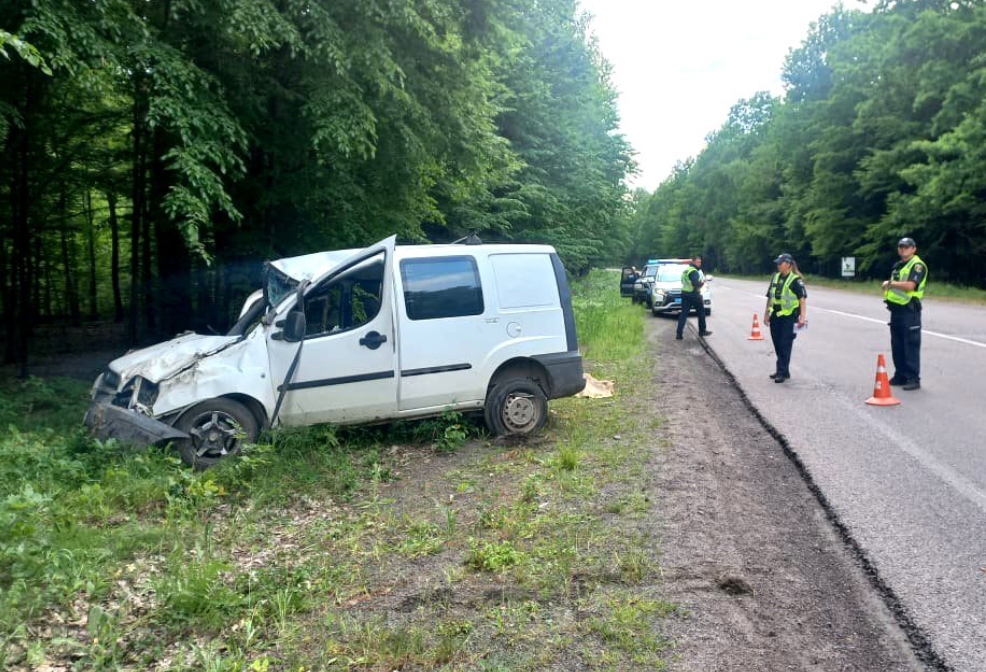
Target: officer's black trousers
[
  {"x": 688, "y": 303},
  {"x": 905, "y": 343},
  {"x": 782, "y": 334}
]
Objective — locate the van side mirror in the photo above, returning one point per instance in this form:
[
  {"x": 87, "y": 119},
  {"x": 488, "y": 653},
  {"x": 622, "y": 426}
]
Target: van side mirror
[{"x": 295, "y": 326}]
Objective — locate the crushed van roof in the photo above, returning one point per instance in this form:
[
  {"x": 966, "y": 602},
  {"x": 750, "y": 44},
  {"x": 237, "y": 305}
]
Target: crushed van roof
[{"x": 317, "y": 264}]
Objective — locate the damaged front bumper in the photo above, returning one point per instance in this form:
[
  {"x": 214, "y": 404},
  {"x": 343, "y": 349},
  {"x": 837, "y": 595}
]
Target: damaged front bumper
[{"x": 112, "y": 422}]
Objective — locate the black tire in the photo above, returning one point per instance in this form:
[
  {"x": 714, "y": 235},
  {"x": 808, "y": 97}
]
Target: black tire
[
  {"x": 708, "y": 311},
  {"x": 515, "y": 407},
  {"x": 218, "y": 429}
]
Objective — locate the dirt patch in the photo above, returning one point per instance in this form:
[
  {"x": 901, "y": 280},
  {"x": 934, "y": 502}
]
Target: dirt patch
[{"x": 764, "y": 581}]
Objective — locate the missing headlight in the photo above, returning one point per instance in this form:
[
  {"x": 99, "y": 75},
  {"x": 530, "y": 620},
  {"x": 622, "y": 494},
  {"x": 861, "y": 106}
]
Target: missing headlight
[
  {"x": 145, "y": 393},
  {"x": 138, "y": 393}
]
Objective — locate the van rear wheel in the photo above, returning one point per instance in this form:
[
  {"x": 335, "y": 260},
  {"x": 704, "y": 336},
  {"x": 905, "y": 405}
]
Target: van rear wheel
[
  {"x": 217, "y": 428},
  {"x": 516, "y": 407}
]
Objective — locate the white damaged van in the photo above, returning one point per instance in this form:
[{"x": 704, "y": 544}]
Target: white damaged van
[{"x": 358, "y": 336}]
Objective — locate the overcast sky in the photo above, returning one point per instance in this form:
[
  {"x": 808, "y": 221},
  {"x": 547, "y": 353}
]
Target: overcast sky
[{"x": 680, "y": 65}]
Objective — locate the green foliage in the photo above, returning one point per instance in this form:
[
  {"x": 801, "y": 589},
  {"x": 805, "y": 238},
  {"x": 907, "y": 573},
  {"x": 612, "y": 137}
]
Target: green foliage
[
  {"x": 568, "y": 457},
  {"x": 421, "y": 538},
  {"x": 33, "y": 403},
  {"x": 627, "y": 627},
  {"x": 608, "y": 328},
  {"x": 245, "y": 129},
  {"x": 194, "y": 593},
  {"x": 880, "y": 135},
  {"x": 296, "y": 554},
  {"x": 490, "y": 556},
  {"x": 447, "y": 433},
  {"x": 25, "y": 50}
]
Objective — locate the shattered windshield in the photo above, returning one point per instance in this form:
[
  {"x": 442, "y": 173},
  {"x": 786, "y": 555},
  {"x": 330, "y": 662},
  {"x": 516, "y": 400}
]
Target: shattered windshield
[{"x": 278, "y": 286}]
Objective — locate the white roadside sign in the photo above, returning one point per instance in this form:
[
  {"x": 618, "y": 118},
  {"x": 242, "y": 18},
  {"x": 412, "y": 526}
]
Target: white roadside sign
[{"x": 848, "y": 267}]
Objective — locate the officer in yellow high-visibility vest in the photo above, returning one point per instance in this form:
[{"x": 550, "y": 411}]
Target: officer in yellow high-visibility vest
[
  {"x": 786, "y": 309},
  {"x": 692, "y": 282},
  {"x": 903, "y": 293}
]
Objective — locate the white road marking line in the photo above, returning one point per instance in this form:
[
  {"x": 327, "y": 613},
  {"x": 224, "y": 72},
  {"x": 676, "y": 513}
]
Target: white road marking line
[
  {"x": 965, "y": 487},
  {"x": 858, "y": 317},
  {"x": 875, "y": 321}
]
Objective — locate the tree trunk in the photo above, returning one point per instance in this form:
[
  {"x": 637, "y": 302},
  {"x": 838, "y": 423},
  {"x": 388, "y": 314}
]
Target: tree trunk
[
  {"x": 49, "y": 308},
  {"x": 146, "y": 279},
  {"x": 20, "y": 322},
  {"x": 91, "y": 240},
  {"x": 137, "y": 209},
  {"x": 37, "y": 267},
  {"x": 173, "y": 259},
  {"x": 4, "y": 275},
  {"x": 115, "y": 257},
  {"x": 68, "y": 257}
]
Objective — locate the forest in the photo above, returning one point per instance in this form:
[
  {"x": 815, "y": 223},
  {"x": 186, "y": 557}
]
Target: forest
[
  {"x": 154, "y": 154},
  {"x": 881, "y": 133}
]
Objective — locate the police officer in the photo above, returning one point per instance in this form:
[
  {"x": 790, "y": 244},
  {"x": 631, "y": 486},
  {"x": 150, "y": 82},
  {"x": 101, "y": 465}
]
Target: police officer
[
  {"x": 903, "y": 293},
  {"x": 692, "y": 281},
  {"x": 786, "y": 308}
]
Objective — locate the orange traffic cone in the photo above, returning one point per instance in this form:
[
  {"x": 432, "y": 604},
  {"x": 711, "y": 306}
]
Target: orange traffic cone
[
  {"x": 755, "y": 335},
  {"x": 881, "y": 389}
]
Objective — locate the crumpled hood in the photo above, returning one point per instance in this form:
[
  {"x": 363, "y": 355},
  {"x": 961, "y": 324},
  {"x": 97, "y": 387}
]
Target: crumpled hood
[{"x": 161, "y": 361}]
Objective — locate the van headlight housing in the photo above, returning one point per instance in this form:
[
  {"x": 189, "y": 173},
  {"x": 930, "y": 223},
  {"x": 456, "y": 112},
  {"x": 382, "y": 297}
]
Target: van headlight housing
[
  {"x": 138, "y": 393},
  {"x": 146, "y": 393}
]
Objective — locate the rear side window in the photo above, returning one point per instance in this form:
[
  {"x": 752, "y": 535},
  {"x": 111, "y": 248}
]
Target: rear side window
[
  {"x": 524, "y": 281},
  {"x": 440, "y": 287}
]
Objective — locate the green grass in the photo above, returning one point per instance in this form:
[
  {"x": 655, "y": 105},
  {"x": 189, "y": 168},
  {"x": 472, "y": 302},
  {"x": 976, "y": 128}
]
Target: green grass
[
  {"x": 284, "y": 558},
  {"x": 935, "y": 290},
  {"x": 609, "y": 329}
]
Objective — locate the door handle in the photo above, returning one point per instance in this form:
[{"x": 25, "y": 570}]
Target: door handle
[{"x": 373, "y": 340}]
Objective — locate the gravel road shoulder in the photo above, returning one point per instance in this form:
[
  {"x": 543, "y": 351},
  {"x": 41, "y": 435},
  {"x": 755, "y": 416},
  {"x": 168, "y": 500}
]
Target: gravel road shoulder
[{"x": 765, "y": 582}]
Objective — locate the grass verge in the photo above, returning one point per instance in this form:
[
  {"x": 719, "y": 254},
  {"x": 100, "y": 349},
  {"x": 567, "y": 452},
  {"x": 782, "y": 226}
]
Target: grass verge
[{"x": 420, "y": 546}]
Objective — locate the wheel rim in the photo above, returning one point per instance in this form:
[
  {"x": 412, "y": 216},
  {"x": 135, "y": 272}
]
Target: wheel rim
[
  {"x": 520, "y": 412},
  {"x": 214, "y": 434}
]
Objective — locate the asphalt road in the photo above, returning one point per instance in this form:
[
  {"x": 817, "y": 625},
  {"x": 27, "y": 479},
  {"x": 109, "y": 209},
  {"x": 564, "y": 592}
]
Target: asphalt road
[{"x": 907, "y": 482}]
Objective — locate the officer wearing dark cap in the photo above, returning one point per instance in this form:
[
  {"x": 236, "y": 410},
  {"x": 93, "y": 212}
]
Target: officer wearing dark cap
[
  {"x": 786, "y": 308},
  {"x": 903, "y": 293},
  {"x": 692, "y": 281}
]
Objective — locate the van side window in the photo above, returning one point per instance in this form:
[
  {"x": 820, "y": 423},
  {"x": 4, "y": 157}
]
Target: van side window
[
  {"x": 524, "y": 281},
  {"x": 347, "y": 301},
  {"x": 436, "y": 287}
]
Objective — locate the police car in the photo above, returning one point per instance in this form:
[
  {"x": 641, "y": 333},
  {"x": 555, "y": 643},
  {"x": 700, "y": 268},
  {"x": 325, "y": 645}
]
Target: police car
[
  {"x": 643, "y": 282},
  {"x": 664, "y": 295}
]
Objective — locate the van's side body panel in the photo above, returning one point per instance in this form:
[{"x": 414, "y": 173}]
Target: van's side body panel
[{"x": 450, "y": 360}]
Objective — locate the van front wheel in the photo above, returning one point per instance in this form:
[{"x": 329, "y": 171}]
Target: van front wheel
[
  {"x": 516, "y": 407},
  {"x": 217, "y": 428}
]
